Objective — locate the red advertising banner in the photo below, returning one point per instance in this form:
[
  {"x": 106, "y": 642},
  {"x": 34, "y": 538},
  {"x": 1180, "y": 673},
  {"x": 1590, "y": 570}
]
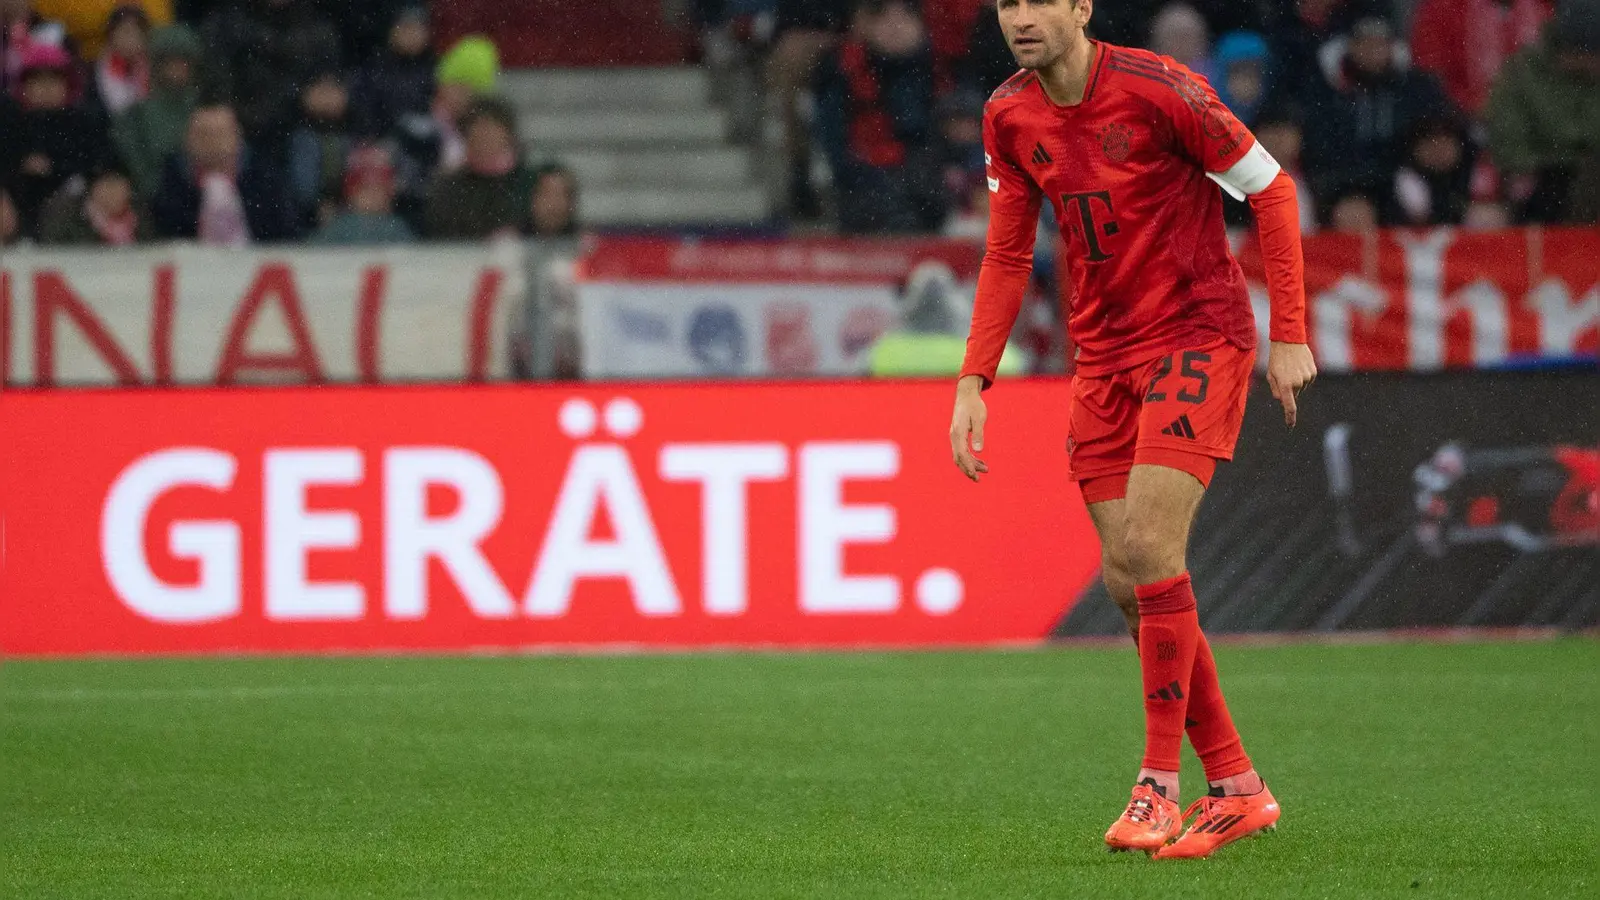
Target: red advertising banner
[
  {"x": 450, "y": 519},
  {"x": 1446, "y": 299}
]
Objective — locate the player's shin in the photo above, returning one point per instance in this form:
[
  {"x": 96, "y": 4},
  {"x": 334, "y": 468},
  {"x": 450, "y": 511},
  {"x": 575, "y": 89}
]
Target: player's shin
[
  {"x": 1211, "y": 730},
  {"x": 1169, "y": 631}
]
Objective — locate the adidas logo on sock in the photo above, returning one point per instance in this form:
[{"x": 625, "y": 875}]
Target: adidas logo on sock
[
  {"x": 1170, "y": 692},
  {"x": 1180, "y": 428},
  {"x": 1042, "y": 156}
]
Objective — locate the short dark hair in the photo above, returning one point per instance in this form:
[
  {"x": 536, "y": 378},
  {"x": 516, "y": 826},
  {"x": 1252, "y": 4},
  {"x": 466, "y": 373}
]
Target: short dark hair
[{"x": 493, "y": 109}]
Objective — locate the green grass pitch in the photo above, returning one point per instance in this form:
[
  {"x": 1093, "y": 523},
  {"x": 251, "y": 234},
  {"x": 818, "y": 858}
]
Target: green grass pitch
[{"x": 1405, "y": 770}]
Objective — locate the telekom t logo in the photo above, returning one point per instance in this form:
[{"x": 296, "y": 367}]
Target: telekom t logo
[{"x": 601, "y": 478}]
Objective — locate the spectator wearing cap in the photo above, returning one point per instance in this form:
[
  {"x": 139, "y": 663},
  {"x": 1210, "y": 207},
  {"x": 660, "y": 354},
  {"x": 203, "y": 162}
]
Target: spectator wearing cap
[
  {"x": 153, "y": 129},
  {"x": 1465, "y": 42},
  {"x": 368, "y": 217},
  {"x": 122, "y": 76},
  {"x": 101, "y": 210},
  {"x": 1544, "y": 119},
  {"x": 553, "y": 206},
  {"x": 260, "y": 54},
  {"x": 1363, "y": 110},
  {"x": 54, "y": 141},
  {"x": 399, "y": 80},
  {"x": 488, "y": 196},
  {"x": 84, "y": 21},
  {"x": 875, "y": 122},
  {"x": 320, "y": 147},
  {"x": 1241, "y": 71},
  {"x": 218, "y": 191},
  {"x": 470, "y": 68},
  {"x": 21, "y": 28}
]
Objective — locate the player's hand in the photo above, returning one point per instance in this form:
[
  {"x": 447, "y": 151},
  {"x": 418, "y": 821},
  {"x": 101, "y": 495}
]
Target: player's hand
[
  {"x": 1290, "y": 370},
  {"x": 968, "y": 421}
]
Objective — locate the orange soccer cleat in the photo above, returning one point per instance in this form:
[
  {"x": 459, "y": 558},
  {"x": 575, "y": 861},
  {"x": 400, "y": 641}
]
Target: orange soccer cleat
[
  {"x": 1147, "y": 824},
  {"x": 1222, "y": 821}
]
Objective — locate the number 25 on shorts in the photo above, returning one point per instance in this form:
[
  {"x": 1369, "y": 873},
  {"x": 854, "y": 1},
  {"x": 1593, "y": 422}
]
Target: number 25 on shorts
[{"x": 1197, "y": 383}]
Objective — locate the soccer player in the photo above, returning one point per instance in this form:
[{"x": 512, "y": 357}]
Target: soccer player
[{"x": 1126, "y": 146}]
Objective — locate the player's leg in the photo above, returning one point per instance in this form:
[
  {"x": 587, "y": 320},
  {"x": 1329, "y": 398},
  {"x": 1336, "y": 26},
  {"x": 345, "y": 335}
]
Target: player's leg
[
  {"x": 1152, "y": 817},
  {"x": 1159, "y": 509},
  {"x": 1191, "y": 415},
  {"x": 1104, "y": 433},
  {"x": 1188, "y": 422},
  {"x": 1207, "y": 722}
]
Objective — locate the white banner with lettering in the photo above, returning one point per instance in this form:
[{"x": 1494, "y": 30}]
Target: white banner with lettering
[{"x": 191, "y": 315}]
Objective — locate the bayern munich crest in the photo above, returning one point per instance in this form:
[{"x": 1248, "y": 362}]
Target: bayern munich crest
[{"x": 1116, "y": 140}]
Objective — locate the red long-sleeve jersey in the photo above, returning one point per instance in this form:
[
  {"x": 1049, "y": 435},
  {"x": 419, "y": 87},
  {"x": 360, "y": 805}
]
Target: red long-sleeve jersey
[{"x": 1146, "y": 251}]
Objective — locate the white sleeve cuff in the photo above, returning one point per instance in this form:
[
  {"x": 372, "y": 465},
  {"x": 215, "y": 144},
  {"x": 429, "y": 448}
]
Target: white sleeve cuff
[{"x": 1250, "y": 175}]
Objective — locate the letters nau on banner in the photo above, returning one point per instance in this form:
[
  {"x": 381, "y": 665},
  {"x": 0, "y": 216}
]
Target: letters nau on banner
[
  {"x": 450, "y": 519},
  {"x": 192, "y": 315}
]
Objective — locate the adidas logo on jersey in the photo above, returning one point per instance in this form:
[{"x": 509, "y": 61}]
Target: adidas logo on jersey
[
  {"x": 1180, "y": 428},
  {"x": 1041, "y": 156}
]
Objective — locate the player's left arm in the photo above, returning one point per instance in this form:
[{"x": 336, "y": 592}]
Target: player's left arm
[
  {"x": 1290, "y": 366},
  {"x": 1231, "y": 157}
]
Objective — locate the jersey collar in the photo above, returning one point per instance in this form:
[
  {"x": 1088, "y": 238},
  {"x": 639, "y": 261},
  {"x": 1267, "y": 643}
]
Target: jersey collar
[{"x": 1102, "y": 52}]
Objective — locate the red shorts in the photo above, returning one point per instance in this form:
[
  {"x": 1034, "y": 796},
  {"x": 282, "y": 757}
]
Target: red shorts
[{"x": 1182, "y": 411}]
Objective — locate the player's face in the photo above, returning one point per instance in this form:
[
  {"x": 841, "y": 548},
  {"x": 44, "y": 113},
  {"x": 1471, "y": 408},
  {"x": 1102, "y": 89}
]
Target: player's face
[{"x": 1040, "y": 31}]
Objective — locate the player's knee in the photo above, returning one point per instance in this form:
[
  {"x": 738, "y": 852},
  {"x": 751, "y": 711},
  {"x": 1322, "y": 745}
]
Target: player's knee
[
  {"x": 1151, "y": 554},
  {"x": 1119, "y": 580}
]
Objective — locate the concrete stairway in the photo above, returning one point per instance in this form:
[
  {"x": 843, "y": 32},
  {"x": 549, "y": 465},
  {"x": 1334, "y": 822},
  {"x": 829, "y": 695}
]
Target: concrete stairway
[{"x": 649, "y": 145}]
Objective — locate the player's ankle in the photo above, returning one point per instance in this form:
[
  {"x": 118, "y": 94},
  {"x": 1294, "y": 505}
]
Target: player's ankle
[
  {"x": 1165, "y": 783},
  {"x": 1235, "y": 785}
]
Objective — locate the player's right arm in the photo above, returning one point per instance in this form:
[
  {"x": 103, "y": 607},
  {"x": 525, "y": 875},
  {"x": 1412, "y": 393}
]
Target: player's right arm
[{"x": 1002, "y": 282}]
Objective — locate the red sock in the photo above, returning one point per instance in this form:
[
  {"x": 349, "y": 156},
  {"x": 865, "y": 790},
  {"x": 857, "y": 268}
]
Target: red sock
[
  {"x": 1210, "y": 727},
  {"x": 1169, "y": 630}
]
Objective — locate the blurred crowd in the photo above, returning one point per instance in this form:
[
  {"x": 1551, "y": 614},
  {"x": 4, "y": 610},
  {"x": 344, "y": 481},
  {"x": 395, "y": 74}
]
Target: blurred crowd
[
  {"x": 1481, "y": 113},
  {"x": 342, "y": 121},
  {"x": 234, "y": 122}
]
